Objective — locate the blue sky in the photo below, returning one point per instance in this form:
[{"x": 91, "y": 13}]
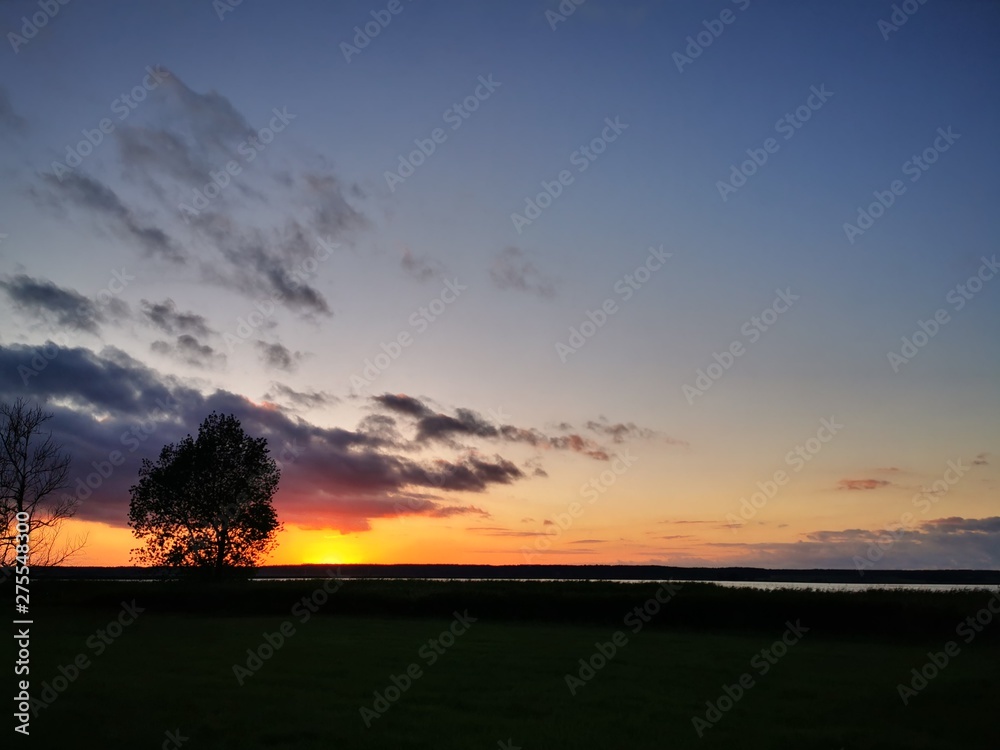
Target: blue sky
[{"x": 493, "y": 349}]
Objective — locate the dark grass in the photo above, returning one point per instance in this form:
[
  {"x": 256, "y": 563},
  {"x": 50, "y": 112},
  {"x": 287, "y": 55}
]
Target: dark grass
[{"x": 504, "y": 678}]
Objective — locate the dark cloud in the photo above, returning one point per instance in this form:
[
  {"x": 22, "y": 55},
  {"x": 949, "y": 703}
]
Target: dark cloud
[
  {"x": 512, "y": 270},
  {"x": 621, "y": 431},
  {"x": 65, "y": 308},
  {"x": 164, "y": 315},
  {"x": 90, "y": 194},
  {"x": 109, "y": 382},
  {"x": 263, "y": 263},
  {"x": 235, "y": 245},
  {"x": 189, "y": 350},
  {"x": 943, "y": 543},
  {"x": 278, "y": 356},
  {"x": 382, "y": 430},
  {"x": 432, "y": 426},
  {"x": 862, "y": 484},
  {"x": 9, "y": 119},
  {"x": 981, "y": 460},
  {"x": 959, "y": 525},
  {"x": 331, "y": 477},
  {"x": 403, "y": 404}
]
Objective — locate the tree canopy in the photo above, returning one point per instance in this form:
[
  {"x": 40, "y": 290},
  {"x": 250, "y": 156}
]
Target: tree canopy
[{"x": 206, "y": 502}]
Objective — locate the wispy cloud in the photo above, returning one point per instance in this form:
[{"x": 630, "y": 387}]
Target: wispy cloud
[
  {"x": 862, "y": 484},
  {"x": 512, "y": 269}
]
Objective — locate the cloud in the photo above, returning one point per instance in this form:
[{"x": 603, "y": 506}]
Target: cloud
[
  {"x": 512, "y": 270},
  {"x": 305, "y": 399},
  {"x": 189, "y": 350},
  {"x": 403, "y": 404},
  {"x": 278, "y": 356},
  {"x": 981, "y": 460},
  {"x": 263, "y": 262},
  {"x": 420, "y": 268},
  {"x": 109, "y": 402},
  {"x": 432, "y": 426},
  {"x": 63, "y": 307},
  {"x": 172, "y": 148},
  {"x": 959, "y": 525},
  {"x": 164, "y": 315},
  {"x": 500, "y": 531},
  {"x": 94, "y": 196},
  {"x": 146, "y": 150},
  {"x": 942, "y": 543},
  {"x": 862, "y": 484},
  {"x": 327, "y": 206},
  {"x": 621, "y": 431},
  {"x": 9, "y": 119}
]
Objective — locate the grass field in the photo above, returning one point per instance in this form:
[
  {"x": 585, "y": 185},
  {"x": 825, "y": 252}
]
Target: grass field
[{"x": 503, "y": 677}]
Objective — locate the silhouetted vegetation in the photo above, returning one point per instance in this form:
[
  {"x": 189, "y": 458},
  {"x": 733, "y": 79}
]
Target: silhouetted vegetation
[{"x": 206, "y": 502}]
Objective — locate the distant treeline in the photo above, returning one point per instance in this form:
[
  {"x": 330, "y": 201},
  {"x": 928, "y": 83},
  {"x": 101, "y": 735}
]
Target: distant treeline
[
  {"x": 913, "y": 615},
  {"x": 572, "y": 572}
]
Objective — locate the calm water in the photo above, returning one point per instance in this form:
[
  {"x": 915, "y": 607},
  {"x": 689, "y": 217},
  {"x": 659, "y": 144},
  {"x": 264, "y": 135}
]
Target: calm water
[{"x": 761, "y": 585}]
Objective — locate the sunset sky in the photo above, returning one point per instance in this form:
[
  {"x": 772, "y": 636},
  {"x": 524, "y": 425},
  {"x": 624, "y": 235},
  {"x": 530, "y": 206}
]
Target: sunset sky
[{"x": 502, "y": 284}]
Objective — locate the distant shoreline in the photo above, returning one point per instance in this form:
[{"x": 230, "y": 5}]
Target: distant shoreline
[{"x": 569, "y": 572}]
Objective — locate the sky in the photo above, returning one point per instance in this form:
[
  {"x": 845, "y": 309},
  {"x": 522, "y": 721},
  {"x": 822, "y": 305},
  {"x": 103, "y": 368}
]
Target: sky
[{"x": 681, "y": 283}]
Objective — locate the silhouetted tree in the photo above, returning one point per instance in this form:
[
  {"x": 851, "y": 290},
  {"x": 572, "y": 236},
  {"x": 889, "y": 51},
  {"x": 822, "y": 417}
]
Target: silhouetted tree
[
  {"x": 33, "y": 469},
  {"x": 206, "y": 502}
]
